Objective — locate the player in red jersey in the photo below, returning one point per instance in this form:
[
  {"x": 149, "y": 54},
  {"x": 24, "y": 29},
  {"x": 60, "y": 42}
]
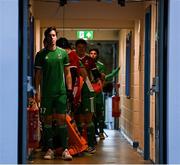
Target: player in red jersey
[{"x": 86, "y": 108}]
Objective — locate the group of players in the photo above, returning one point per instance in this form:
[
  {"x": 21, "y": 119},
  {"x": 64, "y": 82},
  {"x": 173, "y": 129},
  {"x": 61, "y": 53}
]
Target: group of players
[{"x": 64, "y": 77}]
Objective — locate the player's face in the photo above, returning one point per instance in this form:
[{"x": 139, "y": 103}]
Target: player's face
[
  {"x": 81, "y": 49},
  {"x": 93, "y": 54},
  {"x": 51, "y": 38}
]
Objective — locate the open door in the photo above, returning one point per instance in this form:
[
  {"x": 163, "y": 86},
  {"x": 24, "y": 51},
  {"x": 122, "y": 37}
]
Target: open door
[{"x": 147, "y": 84}]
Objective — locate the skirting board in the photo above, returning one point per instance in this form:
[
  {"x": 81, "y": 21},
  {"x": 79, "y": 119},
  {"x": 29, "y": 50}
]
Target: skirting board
[{"x": 134, "y": 144}]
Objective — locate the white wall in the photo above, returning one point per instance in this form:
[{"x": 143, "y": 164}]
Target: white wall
[
  {"x": 173, "y": 83},
  {"x": 8, "y": 81}
]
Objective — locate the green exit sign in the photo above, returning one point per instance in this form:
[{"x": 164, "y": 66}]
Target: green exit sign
[{"x": 85, "y": 34}]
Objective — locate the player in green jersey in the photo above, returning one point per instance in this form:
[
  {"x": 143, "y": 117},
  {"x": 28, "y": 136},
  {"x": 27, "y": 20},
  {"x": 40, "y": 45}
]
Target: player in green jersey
[
  {"x": 86, "y": 108},
  {"x": 99, "y": 104},
  {"x": 53, "y": 84},
  {"x": 99, "y": 116}
]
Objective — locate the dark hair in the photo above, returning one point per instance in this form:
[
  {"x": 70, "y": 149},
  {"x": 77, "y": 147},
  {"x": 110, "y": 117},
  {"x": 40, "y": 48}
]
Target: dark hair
[
  {"x": 45, "y": 42},
  {"x": 81, "y": 41},
  {"x": 63, "y": 43},
  {"x": 48, "y": 30},
  {"x": 94, "y": 49}
]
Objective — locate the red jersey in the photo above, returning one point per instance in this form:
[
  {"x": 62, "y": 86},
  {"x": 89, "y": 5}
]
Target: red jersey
[
  {"x": 73, "y": 59},
  {"x": 89, "y": 65}
]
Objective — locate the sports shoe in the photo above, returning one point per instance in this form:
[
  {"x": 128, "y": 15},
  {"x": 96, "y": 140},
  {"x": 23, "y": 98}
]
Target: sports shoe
[
  {"x": 91, "y": 150},
  {"x": 66, "y": 155},
  {"x": 49, "y": 155},
  {"x": 101, "y": 136}
]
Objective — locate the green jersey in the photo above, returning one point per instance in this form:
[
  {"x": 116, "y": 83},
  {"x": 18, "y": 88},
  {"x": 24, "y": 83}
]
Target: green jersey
[
  {"x": 101, "y": 67},
  {"x": 52, "y": 64}
]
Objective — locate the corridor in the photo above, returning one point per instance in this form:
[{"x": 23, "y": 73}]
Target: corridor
[{"x": 115, "y": 149}]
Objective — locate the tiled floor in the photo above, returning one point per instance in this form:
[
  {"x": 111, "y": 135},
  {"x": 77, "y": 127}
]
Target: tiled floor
[{"x": 113, "y": 150}]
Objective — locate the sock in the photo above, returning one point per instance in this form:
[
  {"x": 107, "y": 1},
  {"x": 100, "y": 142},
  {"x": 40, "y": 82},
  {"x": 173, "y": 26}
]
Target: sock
[{"x": 90, "y": 134}]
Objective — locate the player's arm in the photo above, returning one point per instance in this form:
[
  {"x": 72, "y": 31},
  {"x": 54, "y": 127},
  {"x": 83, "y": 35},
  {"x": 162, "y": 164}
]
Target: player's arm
[
  {"x": 68, "y": 77},
  {"x": 68, "y": 84}
]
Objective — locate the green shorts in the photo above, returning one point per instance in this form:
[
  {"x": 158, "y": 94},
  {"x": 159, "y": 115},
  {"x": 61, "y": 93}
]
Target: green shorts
[
  {"x": 99, "y": 98},
  {"x": 87, "y": 101},
  {"x": 56, "y": 104}
]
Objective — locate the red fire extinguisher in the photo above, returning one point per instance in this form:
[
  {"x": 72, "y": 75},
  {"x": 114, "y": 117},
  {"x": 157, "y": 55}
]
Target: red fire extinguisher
[
  {"x": 116, "y": 103},
  {"x": 33, "y": 124}
]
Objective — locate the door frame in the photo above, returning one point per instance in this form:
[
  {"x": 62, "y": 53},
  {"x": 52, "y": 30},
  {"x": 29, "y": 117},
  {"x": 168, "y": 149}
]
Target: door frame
[
  {"x": 22, "y": 85},
  {"x": 161, "y": 100},
  {"x": 147, "y": 83}
]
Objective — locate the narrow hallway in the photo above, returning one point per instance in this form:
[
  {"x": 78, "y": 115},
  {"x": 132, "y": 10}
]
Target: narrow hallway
[{"x": 113, "y": 150}]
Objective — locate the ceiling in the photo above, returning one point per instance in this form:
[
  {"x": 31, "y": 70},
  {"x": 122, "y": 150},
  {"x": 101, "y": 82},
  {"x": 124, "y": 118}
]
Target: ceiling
[
  {"x": 120, "y": 2},
  {"x": 83, "y": 13}
]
